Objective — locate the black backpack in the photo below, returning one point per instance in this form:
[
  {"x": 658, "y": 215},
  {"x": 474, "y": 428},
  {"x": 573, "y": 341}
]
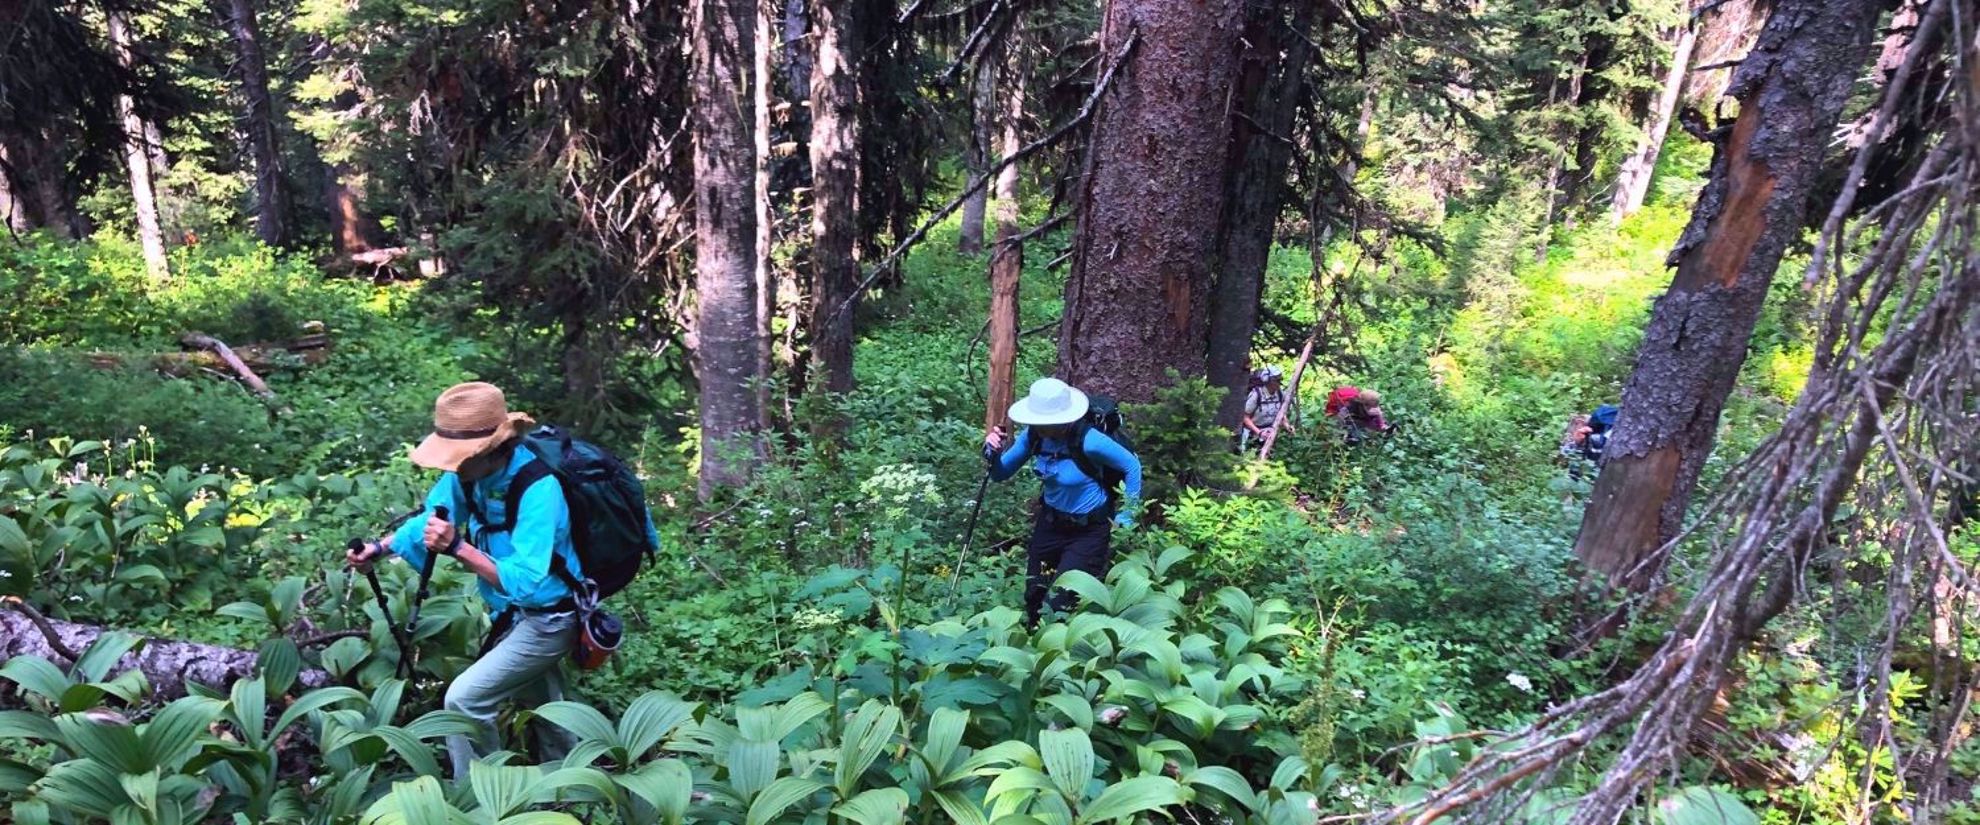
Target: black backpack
[
  {"x": 607, "y": 501},
  {"x": 1103, "y": 414}
]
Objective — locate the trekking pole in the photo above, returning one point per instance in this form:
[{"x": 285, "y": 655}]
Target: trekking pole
[
  {"x": 419, "y": 596},
  {"x": 969, "y": 534},
  {"x": 357, "y": 545}
]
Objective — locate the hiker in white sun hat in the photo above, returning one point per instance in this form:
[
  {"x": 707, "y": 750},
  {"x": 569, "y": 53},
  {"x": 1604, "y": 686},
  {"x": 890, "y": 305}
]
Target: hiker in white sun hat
[{"x": 1087, "y": 476}]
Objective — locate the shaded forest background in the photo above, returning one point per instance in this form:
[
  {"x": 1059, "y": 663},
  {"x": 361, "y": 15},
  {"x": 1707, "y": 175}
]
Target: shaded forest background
[{"x": 791, "y": 258}]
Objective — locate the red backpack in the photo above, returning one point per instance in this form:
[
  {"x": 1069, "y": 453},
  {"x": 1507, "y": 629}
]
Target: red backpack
[{"x": 1339, "y": 398}]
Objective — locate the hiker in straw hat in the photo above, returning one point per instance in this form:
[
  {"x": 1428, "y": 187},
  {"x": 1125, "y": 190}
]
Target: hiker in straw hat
[
  {"x": 1076, "y": 513},
  {"x": 474, "y": 444}
]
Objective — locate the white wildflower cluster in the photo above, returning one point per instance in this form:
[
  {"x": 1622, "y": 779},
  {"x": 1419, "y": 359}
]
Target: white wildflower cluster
[
  {"x": 1520, "y": 681},
  {"x": 900, "y": 485},
  {"x": 806, "y": 618}
]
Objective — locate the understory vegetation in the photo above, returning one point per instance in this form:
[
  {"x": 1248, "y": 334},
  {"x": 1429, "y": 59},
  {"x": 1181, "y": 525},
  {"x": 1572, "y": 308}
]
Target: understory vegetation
[{"x": 1283, "y": 642}]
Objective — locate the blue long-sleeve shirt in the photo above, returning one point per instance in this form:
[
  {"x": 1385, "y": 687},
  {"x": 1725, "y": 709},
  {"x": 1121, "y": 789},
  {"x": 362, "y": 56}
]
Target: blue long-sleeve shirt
[
  {"x": 1066, "y": 488},
  {"x": 522, "y": 554}
]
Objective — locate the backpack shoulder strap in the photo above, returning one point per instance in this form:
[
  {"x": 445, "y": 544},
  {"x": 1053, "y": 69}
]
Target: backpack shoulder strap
[
  {"x": 1076, "y": 448},
  {"x": 536, "y": 470}
]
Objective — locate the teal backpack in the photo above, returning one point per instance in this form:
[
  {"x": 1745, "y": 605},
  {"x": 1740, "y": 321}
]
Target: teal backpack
[{"x": 607, "y": 501}]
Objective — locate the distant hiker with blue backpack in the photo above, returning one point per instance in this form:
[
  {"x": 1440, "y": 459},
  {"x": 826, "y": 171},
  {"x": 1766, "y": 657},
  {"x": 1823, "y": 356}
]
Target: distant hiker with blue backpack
[
  {"x": 549, "y": 524},
  {"x": 1091, "y": 482},
  {"x": 1587, "y": 436}
]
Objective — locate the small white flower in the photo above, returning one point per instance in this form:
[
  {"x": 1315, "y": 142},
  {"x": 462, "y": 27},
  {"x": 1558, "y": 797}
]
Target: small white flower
[
  {"x": 6, "y": 574},
  {"x": 75, "y": 598},
  {"x": 1520, "y": 681}
]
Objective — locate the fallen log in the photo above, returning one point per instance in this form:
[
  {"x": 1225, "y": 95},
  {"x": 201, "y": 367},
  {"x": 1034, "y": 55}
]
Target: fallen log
[
  {"x": 226, "y": 354},
  {"x": 168, "y": 664}
]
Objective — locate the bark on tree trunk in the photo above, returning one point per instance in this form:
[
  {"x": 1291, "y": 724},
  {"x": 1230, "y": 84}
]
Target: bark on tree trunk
[
  {"x": 982, "y": 104},
  {"x": 1137, "y": 301},
  {"x": 351, "y": 229},
  {"x": 834, "y": 192},
  {"x": 1791, "y": 89},
  {"x": 1633, "y": 181},
  {"x": 1006, "y": 261},
  {"x": 1269, "y": 87},
  {"x": 39, "y": 181},
  {"x": 725, "y": 241},
  {"x": 270, "y": 191},
  {"x": 13, "y": 209},
  {"x": 766, "y": 276},
  {"x": 138, "y": 162},
  {"x": 168, "y": 665}
]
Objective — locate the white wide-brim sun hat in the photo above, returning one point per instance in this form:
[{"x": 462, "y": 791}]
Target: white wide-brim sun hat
[{"x": 1051, "y": 402}]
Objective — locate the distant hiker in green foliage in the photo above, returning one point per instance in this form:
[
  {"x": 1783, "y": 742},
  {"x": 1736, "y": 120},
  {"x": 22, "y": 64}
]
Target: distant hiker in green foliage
[
  {"x": 1263, "y": 404},
  {"x": 1359, "y": 413},
  {"x": 1091, "y": 482},
  {"x": 519, "y": 541}
]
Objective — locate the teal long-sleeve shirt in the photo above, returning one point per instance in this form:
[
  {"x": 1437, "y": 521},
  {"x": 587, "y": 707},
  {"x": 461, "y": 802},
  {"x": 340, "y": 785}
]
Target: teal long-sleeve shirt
[
  {"x": 542, "y": 527},
  {"x": 1066, "y": 488}
]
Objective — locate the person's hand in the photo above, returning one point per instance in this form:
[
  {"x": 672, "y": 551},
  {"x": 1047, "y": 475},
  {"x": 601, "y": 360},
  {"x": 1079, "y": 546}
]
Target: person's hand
[
  {"x": 439, "y": 535},
  {"x": 364, "y": 555},
  {"x": 995, "y": 438}
]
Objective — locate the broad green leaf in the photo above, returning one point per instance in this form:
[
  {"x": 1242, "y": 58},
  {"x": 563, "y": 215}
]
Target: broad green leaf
[
  {"x": 582, "y": 720},
  {"x": 116, "y": 746},
  {"x": 103, "y": 655},
  {"x": 30, "y": 812},
  {"x": 419, "y": 802},
  {"x": 21, "y": 724},
  {"x": 250, "y": 701},
  {"x": 594, "y": 785},
  {"x": 15, "y": 777},
  {"x": 945, "y": 733},
  {"x": 1068, "y": 756},
  {"x": 1076, "y": 708},
  {"x": 752, "y": 766},
  {"x": 1088, "y": 588},
  {"x": 80, "y": 697},
  {"x": 14, "y": 540},
  {"x": 142, "y": 788},
  {"x": 872, "y": 727},
  {"x": 345, "y": 797},
  {"x": 246, "y": 611},
  {"x": 313, "y": 701},
  {"x": 1022, "y": 780},
  {"x": 1291, "y": 770},
  {"x": 649, "y": 719},
  {"x": 286, "y": 595},
  {"x": 434, "y": 724},
  {"x": 501, "y": 789},
  {"x": 1002, "y": 753},
  {"x": 666, "y": 785},
  {"x": 279, "y": 661},
  {"x": 1132, "y": 796},
  {"x": 83, "y": 786},
  {"x": 417, "y": 754},
  {"x": 36, "y": 675},
  {"x": 173, "y": 734},
  {"x": 1699, "y": 805},
  {"x": 879, "y": 806},
  {"x": 540, "y": 818},
  {"x": 960, "y": 809},
  {"x": 779, "y": 797},
  {"x": 1225, "y": 781},
  {"x": 772, "y": 724}
]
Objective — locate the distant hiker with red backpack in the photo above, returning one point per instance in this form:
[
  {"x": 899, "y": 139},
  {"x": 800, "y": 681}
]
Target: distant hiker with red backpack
[
  {"x": 1263, "y": 404},
  {"x": 1359, "y": 413},
  {"x": 549, "y": 524},
  {"x": 1091, "y": 482}
]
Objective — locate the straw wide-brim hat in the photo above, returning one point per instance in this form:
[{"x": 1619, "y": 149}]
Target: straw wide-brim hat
[
  {"x": 1051, "y": 402},
  {"x": 468, "y": 420}
]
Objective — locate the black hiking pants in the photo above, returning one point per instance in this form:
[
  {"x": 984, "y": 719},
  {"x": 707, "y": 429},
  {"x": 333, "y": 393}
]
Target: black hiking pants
[{"x": 1060, "y": 542}]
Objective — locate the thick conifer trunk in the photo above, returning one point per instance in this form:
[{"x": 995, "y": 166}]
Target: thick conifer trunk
[
  {"x": 271, "y": 196},
  {"x": 1269, "y": 81},
  {"x": 1633, "y": 181},
  {"x": 38, "y": 181},
  {"x": 1006, "y": 259},
  {"x": 834, "y": 192},
  {"x": 1137, "y": 301},
  {"x": 725, "y": 240},
  {"x": 1791, "y": 90},
  {"x": 982, "y": 117},
  {"x": 766, "y": 277},
  {"x": 138, "y": 161}
]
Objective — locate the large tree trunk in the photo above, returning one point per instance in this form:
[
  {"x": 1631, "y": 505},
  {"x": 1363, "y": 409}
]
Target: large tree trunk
[
  {"x": 766, "y": 276},
  {"x": 138, "y": 161},
  {"x": 1633, "y": 180},
  {"x": 271, "y": 195},
  {"x": 725, "y": 241},
  {"x": 168, "y": 665},
  {"x": 834, "y": 192},
  {"x": 982, "y": 117},
  {"x": 352, "y": 230},
  {"x": 13, "y": 207},
  {"x": 1791, "y": 90},
  {"x": 1137, "y": 301},
  {"x": 39, "y": 182},
  {"x": 1269, "y": 82},
  {"x": 1006, "y": 260}
]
